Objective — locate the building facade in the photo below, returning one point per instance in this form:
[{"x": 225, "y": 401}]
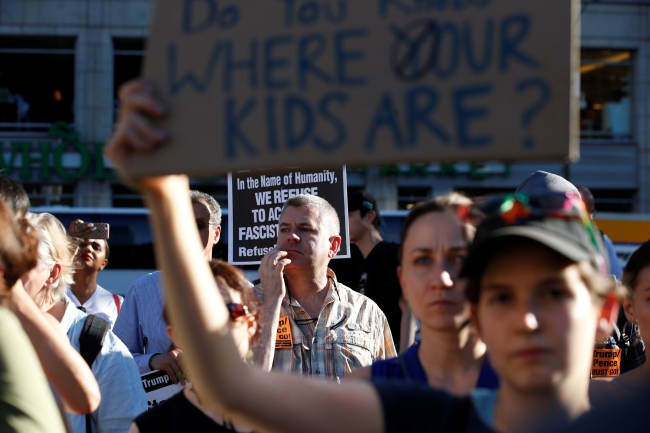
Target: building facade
[{"x": 61, "y": 62}]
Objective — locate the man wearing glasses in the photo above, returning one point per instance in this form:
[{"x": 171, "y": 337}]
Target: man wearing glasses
[
  {"x": 140, "y": 323},
  {"x": 322, "y": 328}
]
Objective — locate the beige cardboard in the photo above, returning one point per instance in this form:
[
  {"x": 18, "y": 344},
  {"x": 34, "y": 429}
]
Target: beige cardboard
[{"x": 358, "y": 70}]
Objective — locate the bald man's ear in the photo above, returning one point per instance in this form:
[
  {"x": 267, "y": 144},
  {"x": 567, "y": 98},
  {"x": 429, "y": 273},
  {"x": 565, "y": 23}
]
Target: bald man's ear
[{"x": 335, "y": 246}]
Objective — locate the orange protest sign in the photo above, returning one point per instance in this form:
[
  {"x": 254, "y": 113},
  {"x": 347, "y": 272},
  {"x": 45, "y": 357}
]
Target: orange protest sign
[
  {"x": 283, "y": 339},
  {"x": 607, "y": 363}
]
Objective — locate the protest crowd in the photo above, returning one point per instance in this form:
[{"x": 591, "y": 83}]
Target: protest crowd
[
  {"x": 491, "y": 314},
  {"x": 494, "y": 313}
]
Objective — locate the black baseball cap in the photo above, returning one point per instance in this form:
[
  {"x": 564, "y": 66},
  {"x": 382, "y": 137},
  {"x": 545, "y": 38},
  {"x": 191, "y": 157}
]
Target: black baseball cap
[
  {"x": 567, "y": 230},
  {"x": 365, "y": 202}
]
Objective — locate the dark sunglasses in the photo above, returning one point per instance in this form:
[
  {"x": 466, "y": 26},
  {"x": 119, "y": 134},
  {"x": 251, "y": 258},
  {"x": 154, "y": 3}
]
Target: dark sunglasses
[{"x": 236, "y": 310}]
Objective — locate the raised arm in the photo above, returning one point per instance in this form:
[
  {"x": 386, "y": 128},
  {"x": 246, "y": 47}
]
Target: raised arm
[
  {"x": 271, "y": 272},
  {"x": 267, "y": 401},
  {"x": 63, "y": 366}
]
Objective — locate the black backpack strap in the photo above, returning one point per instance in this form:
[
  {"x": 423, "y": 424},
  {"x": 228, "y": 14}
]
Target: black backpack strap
[
  {"x": 92, "y": 338},
  {"x": 91, "y": 341}
]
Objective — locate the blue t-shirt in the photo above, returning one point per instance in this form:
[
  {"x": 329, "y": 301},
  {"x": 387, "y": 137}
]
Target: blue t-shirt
[
  {"x": 413, "y": 407},
  {"x": 394, "y": 369}
]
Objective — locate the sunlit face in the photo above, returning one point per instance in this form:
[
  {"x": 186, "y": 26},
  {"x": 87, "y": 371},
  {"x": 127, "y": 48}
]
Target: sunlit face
[
  {"x": 432, "y": 256},
  {"x": 638, "y": 308},
  {"x": 209, "y": 234},
  {"x": 305, "y": 238},
  {"x": 537, "y": 317},
  {"x": 92, "y": 254}
]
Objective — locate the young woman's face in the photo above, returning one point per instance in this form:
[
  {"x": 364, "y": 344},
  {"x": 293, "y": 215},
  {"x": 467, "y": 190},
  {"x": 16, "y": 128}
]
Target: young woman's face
[
  {"x": 638, "y": 308},
  {"x": 537, "y": 317},
  {"x": 432, "y": 256}
]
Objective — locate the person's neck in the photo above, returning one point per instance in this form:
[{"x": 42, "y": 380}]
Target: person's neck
[
  {"x": 452, "y": 360},
  {"x": 55, "y": 309},
  {"x": 368, "y": 241},
  {"x": 309, "y": 288},
  {"x": 516, "y": 410},
  {"x": 85, "y": 284}
]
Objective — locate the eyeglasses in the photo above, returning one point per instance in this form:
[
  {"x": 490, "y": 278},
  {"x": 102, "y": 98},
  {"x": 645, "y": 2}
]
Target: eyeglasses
[
  {"x": 516, "y": 207},
  {"x": 236, "y": 310}
]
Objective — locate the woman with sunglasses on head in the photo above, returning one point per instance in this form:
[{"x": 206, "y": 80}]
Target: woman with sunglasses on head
[
  {"x": 450, "y": 355},
  {"x": 184, "y": 411},
  {"x": 537, "y": 298}
]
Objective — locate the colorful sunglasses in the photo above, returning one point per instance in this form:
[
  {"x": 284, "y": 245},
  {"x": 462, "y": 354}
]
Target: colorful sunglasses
[
  {"x": 516, "y": 207},
  {"x": 236, "y": 310}
]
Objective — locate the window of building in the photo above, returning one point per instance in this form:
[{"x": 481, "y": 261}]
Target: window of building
[
  {"x": 407, "y": 197},
  {"x": 50, "y": 195},
  {"x": 606, "y": 94},
  {"x": 614, "y": 200},
  {"x": 36, "y": 82},
  {"x": 123, "y": 196},
  {"x": 127, "y": 63}
]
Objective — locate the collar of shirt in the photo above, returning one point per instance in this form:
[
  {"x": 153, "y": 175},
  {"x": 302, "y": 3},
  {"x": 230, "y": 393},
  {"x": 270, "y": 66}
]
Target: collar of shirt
[
  {"x": 333, "y": 295},
  {"x": 70, "y": 316}
]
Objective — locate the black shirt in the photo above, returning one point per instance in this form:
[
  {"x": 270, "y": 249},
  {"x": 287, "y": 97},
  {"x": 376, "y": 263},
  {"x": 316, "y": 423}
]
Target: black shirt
[
  {"x": 177, "y": 414},
  {"x": 411, "y": 407},
  {"x": 377, "y": 279}
]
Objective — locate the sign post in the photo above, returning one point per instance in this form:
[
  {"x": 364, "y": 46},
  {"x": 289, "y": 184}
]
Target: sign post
[
  {"x": 255, "y": 199},
  {"x": 317, "y": 83}
]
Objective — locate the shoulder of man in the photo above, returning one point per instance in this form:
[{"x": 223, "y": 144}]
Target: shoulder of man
[
  {"x": 358, "y": 301},
  {"x": 146, "y": 284},
  {"x": 153, "y": 279}
]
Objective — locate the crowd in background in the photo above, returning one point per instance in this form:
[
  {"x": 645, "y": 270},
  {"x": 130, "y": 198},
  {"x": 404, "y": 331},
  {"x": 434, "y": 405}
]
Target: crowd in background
[{"x": 509, "y": 296}]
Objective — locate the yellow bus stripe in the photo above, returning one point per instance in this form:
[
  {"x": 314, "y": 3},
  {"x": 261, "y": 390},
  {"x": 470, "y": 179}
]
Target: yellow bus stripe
[{"x": 625, "y": 231}]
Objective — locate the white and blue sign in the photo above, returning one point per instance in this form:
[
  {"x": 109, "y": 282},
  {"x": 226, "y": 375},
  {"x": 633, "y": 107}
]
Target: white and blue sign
[{"x": 317, "y": 83}]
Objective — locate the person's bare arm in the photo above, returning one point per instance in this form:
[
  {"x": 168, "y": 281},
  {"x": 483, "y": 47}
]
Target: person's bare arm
[
  {"x": 359, "y": 374},
  {"x": 271, "y": 275},
  {"x": 63, "y": 365},
  {"x": 268, "y": 401}
]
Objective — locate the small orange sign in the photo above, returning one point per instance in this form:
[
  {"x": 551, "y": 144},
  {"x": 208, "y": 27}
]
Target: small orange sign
[
  {"x": 283, "y": 339},
  {"x": 607, "y": 363}
]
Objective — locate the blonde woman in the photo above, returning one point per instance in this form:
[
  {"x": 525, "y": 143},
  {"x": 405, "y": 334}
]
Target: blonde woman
[{"x": 122, "y": 395}]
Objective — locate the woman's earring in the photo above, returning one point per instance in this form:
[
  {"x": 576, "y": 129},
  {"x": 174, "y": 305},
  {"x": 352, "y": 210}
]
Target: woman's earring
[{"x": 249, "y": 357}]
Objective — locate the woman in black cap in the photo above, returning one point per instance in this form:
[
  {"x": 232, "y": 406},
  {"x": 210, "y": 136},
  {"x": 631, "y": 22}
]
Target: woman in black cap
[{"x": 537, "y": 297}]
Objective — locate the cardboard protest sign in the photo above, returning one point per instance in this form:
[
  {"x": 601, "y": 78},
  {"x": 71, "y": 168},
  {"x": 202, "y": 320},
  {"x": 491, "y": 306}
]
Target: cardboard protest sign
[
  {"x": 606, "y": 363},
  {"x": 158, "y": 387},
  {"x": 255, "y": 199},
  {"x": 316, "y": 83}
]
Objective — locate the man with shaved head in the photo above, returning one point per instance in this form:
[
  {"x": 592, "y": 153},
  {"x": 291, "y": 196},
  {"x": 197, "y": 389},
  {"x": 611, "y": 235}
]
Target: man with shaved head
[{"x": 324, "y": 329}]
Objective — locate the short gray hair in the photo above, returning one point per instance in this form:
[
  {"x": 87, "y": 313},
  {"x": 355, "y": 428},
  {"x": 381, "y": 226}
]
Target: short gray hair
[
  {"x": 210, "y": 202},
  {"x": 328, "y": 215}
]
